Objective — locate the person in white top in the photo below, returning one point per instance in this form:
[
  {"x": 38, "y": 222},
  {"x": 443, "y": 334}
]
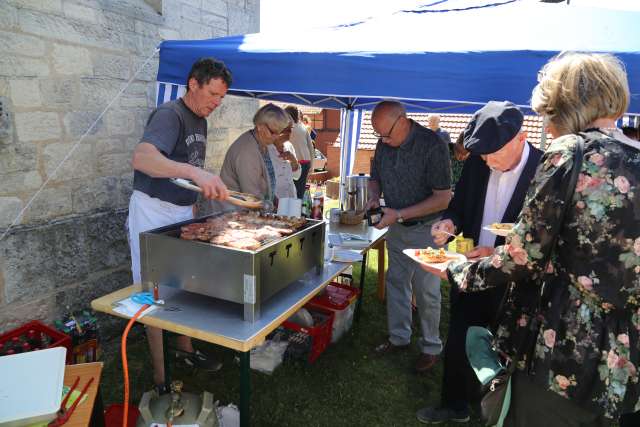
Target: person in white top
[
  {"x": 286, "y": 168},
  {"x": 303, "y": 146}
]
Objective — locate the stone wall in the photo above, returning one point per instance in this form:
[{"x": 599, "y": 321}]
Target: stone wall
[{"x": 61, "y": 63}]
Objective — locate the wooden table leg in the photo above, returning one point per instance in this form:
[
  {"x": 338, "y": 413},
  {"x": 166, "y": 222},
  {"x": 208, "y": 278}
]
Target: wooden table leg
[{"x": 381, "y": 258}]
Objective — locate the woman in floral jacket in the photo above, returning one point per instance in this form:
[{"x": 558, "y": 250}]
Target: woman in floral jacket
[{"x": 584, "y": 366}]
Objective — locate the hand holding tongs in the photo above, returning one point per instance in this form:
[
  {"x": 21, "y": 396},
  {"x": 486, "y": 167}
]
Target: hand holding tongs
[
  {"x": 63, "y": 413},
  {"x": 239, "y": 199}
]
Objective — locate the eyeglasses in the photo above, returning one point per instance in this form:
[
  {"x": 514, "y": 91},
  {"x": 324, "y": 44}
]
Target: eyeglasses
[
  {"x": 388, "y": 135},
  {"x": 274, "y": 133}
]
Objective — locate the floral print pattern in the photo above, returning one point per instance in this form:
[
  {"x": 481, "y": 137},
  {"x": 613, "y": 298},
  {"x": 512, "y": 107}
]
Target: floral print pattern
[{"x": 586, "y": 344}]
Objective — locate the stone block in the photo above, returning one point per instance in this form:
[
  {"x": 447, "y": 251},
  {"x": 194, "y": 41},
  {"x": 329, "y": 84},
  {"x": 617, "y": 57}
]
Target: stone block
[
  {"x": 190, "y": 13},
  {"x": 194, "y": 31},
  {"x": 10, "y": 207},
  {"x": 37, "y": 126},
  {"x": 169, "y": 34},
  {"x": 107, "y": 241},
  {"x": 16, "y": 157},
  {"x": 25, "y": 93},
  {"x": 118, "y": 22},
  {"x": 111, "y": 66},
  {"x": 134, "y": 9},
  {"x": 71, "y": 60},
  {"x": 216, "y": 21},
  {"x": 96, "y": 93},
  {"x": 215, "y": 134},
  {"x": 146, "y": 29},
  {"x": 77, "y": 123},
  {"x": 108, "y": 145},
  {"x": 40, "y": 258},
  {"x": 120, "y": 122},
  {"x": 234, "y": 110},
  {"x": 50, "y": 6},
  {"x": 79, "y": 12},
  {"x": 219, "y": 7},
  {"x": 95, "y": 194},
  {"x": 241, "y": 22},
  {"x": 18, "y": 182},
  {"x": 8, "y": 16},
  {"x": 41, "y": 308},
  {"x": 149, "y": 72},
  {"x": 80, "y": 164},
  {"x": 79, "y": 296},
  {"x": 135, "y": 95},
  {"x": 84, "y": 33},
  {"x": 146, "y": 46},
  {"x": 114, "y": 163},
  {"x": 58, "y": 92},
  {"x": 18, "y": 66},
  {"x": 21, "y": 44},
  {"x": 126, "y": 188},
  {"x": 218, "y": 32}
]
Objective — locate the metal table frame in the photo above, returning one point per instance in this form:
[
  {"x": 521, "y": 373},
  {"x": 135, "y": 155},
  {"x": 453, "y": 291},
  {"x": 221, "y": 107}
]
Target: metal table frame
[{"x": 220, "y": 322}]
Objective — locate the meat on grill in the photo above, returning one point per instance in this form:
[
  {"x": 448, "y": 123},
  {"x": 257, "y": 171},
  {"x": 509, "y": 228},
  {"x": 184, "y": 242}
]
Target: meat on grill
[{"x": 242, "y": 230}]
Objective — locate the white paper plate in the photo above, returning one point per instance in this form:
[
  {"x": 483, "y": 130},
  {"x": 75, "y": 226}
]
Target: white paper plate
[
  {"x": 499, "y": 231},
  {"x": 411, "y": 253}
]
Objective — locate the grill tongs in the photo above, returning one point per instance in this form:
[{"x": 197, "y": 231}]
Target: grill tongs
[{"x": 244, "y": 200}]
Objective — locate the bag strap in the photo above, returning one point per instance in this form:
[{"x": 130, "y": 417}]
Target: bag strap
[{"x": 573, "y": 180}]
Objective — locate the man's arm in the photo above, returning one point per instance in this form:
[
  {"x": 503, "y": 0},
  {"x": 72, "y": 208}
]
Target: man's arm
[
  {"x": 437, "y": 202},
  {"x": 149, "y": 160}
]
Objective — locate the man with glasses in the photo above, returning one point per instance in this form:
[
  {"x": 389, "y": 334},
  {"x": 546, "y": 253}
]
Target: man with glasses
[
  {"x": 247, "y": 166},
  {"x": 411, "y": 170}
]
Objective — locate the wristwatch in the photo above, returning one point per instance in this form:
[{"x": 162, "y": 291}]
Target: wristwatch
[{"x": 399, "y": 218}]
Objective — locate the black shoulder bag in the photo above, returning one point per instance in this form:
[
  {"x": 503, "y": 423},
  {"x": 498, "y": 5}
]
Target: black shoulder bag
[{"x": 495, "y": 392}]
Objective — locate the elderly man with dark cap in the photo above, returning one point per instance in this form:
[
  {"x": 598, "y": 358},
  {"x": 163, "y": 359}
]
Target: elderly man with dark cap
[{"x": 492, "y": 188}]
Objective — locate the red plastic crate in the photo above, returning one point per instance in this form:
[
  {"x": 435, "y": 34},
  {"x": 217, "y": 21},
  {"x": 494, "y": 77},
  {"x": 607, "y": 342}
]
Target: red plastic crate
[
  {"x": 336, "y": 296},
  {"x": 340, "y": 299},
  {"x": 56, "y": 338},
  {"x": 320, "y": 333}
]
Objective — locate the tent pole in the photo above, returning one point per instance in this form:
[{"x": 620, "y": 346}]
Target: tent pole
[{"x": 345, "y": 146}]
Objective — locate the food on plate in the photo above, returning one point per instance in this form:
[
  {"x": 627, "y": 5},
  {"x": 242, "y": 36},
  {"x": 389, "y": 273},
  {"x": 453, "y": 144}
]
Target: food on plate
[
  {"x": 433, "y": 256},
  {"x": 501, "y": 226},
  {"x": 242, "y": 230}
]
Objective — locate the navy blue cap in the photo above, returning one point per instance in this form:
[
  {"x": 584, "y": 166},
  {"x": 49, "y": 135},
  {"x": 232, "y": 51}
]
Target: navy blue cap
[{"x": 492, "y": 126}]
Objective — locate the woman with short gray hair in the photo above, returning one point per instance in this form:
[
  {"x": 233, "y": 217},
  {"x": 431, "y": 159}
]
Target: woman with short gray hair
[{"x": 247, "y": 167}]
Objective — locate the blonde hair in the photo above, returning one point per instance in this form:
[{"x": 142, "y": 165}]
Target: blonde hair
[{"x": 575, "y": 89}]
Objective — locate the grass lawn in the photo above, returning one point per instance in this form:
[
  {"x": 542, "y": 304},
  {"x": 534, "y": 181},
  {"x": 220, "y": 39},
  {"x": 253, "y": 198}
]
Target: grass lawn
[{"x": 347, "y": 386}]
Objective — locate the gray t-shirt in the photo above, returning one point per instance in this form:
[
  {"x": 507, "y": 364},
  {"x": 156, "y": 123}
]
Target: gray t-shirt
[
  {"x": 408, "y": 174},
  {"x": 181, "y": 136}
]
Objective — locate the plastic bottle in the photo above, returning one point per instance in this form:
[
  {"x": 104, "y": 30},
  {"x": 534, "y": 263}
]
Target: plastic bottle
[
  {"x": 306, "y": 202},
  {"x": 317, "y": 205}
]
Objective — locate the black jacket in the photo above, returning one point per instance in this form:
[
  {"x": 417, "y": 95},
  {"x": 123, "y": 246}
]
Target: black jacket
[{"x": 467, "y": 206}]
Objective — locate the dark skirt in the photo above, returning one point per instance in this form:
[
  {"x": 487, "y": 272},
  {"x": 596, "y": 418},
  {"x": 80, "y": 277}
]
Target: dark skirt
[{"x": 533, "y": 406}]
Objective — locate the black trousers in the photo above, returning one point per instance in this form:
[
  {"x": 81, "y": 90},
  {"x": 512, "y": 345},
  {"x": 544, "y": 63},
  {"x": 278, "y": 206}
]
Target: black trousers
[
  {"x": 460, "y": 386},
  {"x": 300, "y": 183}
]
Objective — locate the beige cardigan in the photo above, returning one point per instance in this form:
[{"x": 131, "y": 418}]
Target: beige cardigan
[{"x": 243, "y": 168}]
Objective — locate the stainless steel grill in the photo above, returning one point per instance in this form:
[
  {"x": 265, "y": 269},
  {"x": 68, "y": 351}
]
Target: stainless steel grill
[{"x": 241, "y": 276}]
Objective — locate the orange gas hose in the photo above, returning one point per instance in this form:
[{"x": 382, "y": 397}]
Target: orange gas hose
[{"x": 125, "y": 367}]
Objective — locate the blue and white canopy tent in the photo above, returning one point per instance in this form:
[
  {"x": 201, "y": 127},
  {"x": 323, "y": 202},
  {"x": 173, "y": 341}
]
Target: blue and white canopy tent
[{"x": 449, "y": 56}]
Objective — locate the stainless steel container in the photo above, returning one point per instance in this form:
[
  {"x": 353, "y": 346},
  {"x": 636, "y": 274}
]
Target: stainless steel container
[
  {"x": 240, "y": 276},
  {"x": 356, "y": 194}
]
